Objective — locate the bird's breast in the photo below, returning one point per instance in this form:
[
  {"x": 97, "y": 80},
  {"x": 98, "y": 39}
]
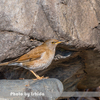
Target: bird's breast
[{"x": 44, "y": 61}]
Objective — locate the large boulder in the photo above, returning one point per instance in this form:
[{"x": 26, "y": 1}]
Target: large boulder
[{"x": 47, "y": 89}]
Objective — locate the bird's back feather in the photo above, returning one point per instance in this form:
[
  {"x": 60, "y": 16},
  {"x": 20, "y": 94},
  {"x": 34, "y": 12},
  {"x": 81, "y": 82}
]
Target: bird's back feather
[{"x": 32, "y": 55}]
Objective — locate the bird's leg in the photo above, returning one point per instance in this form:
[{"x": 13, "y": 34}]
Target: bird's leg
[{"x": 37, "y": 76}]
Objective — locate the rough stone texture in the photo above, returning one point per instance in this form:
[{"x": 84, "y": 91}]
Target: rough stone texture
[
  {"x": 47, "y": 89},
  {"x": 77, "y": 22}
]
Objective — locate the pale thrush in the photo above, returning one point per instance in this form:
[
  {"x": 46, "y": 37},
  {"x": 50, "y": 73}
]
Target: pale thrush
[{"x": 38, "y": 58}]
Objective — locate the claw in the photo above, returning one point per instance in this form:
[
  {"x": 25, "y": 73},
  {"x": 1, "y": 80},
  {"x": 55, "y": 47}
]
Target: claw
[{"x": 40, "y": 78}]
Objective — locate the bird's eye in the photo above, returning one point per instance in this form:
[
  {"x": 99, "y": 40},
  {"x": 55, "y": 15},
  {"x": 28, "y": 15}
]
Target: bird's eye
[{"x": 53, "y": 42}]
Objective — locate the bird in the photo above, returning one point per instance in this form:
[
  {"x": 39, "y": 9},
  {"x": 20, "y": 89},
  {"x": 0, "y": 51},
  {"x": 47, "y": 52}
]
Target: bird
[{"x": 39, "y": 58}]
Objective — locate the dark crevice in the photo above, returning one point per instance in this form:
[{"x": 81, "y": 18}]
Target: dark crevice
[
  {"x": 13, "y": 32},
  {"x": 96, "y": 27},
  {"x": 70, "y": 60},
  {"x": 40, "y": 40},
  {"x": 2, "y": 76},
  {"x": 65, "y": 2},
  {"x": 85, "y": 72}
]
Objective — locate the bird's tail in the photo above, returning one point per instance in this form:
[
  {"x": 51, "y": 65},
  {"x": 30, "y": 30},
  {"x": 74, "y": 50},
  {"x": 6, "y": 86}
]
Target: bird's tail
[{"x": 2, "y": 64}]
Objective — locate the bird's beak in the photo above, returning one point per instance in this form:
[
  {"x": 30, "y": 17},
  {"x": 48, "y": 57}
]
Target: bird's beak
[{"x": 59, "y": 42}]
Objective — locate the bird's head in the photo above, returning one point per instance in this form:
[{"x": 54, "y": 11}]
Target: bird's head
[{"x": 52, "y": 43}]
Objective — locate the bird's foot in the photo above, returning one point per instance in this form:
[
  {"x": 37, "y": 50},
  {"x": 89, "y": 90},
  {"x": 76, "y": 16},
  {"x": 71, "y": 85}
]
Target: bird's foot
[
  {"x": 37, "y": 76},
  {"x": 27, "y": 85},
  {"x": 40, "y": 78},
  {"x": 21, "y": 78}
]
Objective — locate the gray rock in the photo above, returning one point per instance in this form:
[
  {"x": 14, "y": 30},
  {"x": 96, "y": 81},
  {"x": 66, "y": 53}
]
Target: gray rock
[{"x": 46, "y": 89}]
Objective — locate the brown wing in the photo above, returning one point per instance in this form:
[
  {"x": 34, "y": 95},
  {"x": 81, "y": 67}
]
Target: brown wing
[{"x": 33, "y": 54}]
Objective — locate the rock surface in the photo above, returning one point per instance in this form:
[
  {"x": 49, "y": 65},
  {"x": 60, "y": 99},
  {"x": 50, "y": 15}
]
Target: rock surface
[
  {"x": 77, "y": 22},
  {"x": 46, "y": 89}
]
